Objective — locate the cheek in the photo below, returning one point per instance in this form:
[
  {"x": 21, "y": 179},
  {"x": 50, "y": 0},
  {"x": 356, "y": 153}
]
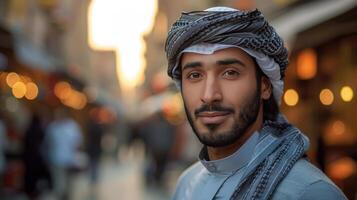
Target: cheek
[
  {"x": 236, "y": 93},
  {"x": 190, "y": 96}
]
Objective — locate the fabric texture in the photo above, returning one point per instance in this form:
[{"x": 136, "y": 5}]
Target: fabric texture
[
  {"x": 244, "y": 29},
  {"x": 233, "y": 162},
  {"x": 303, "y": 182},
  {"x": 279, "y": 148},
  {"x": 276, "y": 170}
]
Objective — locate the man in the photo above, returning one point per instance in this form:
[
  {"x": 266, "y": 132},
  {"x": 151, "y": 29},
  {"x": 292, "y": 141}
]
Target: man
[
  {"x": 63, "y": 139},
  {"x": 230, "y": 67}
]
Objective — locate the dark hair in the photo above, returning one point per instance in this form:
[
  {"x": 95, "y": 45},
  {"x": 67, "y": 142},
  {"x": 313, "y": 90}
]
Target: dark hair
[{"x": 270, "y": 106}]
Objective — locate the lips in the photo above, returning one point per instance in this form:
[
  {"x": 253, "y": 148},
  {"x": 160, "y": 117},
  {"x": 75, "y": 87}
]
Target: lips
[{"x": 213, "y": 117}]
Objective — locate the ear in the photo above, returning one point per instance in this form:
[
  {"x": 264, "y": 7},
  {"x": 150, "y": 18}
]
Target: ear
[{"x": 266, "y": 88}]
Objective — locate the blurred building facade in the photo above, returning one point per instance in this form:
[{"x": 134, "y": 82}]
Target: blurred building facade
[
  {"x": 52, "y": 36},
  {"x": 45, "y": 64},
  {"x": 323, "y": 73}
]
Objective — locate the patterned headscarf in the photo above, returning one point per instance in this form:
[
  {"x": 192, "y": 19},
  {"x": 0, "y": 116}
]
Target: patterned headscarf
[{"x": 227, "y": 27}]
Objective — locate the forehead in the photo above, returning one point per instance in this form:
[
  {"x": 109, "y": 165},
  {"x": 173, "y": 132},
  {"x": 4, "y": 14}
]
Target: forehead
[{"x": 223, "y": 54}]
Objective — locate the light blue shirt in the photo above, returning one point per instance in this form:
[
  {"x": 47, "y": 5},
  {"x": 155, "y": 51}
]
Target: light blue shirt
[
  {"x": 217, "y": 179},
  {"x": 63, "y": 139}
]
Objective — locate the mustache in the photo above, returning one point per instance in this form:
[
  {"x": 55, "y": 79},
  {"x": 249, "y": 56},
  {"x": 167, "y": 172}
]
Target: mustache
[{"x": 213, "y": 108}]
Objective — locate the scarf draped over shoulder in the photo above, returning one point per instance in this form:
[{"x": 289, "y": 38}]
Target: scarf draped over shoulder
[{"x": 280, "y": 146}]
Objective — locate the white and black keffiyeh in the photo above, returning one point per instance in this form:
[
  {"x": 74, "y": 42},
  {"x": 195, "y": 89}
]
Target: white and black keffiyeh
[{"x": 229, "y": 27}]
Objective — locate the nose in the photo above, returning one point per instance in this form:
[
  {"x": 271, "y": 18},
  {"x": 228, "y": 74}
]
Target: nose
[{"x": 211, "y": 92}]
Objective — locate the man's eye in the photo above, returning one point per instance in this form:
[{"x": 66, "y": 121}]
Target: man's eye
[
  {"x": 194, "y": 75},
  {"x": 230, "y": 73}
]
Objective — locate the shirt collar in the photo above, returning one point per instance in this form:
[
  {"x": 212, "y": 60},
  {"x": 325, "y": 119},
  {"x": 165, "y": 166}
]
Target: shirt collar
[{"x": 233, "y": 162}]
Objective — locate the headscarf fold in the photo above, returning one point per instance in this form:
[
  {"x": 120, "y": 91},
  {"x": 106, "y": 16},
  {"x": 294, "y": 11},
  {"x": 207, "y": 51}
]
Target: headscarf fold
[{"x": 226, "y": 26}]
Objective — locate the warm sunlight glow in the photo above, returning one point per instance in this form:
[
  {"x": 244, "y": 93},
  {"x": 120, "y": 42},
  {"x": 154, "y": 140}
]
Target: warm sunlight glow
[
  {"x": 326, "y": 97},
  {"x": 291, "y": 97},
  {"x": 120, "y": 26},
  {"x": 346, "y": 93}
]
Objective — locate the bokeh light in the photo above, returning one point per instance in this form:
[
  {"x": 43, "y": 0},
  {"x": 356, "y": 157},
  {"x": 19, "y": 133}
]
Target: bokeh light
[
  {"x": 306, "y": 64},
  {"x": 62, "y": 90},
  {"x": 346, "y": 93},
  {"x": 31, "y": 91},
  {"x": 76, "y": 100},
  {"x": 19, "y": 90},
  {"x": 338, "y": 127},
  {"x": 69, "y": 96},
  {"x": 12, "y": 78},
  {"x": 342, "y": 168},
  {"x": 25, "y": 79},
  {"x": 291, "y": 97},
  {"x": 326, "y": 97}
]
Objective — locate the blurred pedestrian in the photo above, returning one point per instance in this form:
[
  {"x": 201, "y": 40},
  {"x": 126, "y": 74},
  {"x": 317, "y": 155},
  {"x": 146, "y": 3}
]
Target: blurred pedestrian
[
  {"x": 94, "y": 139},
  {"x": 158, "y": 136},
  {"x": 63, "y": 141},
  {"x": 230, "y": 65},
  {"x": 37, "y": 175},
  {"x": 3, "y": 144}
]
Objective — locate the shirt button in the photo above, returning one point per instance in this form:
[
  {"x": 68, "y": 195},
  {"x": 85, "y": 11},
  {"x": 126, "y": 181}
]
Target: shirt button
[{"x": 212, "y": 167}]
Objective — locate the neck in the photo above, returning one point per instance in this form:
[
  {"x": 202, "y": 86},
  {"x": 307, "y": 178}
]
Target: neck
[{"x": 215, "y": 153}]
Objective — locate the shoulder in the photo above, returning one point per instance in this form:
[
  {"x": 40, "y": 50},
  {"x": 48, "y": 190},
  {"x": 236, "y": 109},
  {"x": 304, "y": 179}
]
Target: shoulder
[
  {"x": 187, "y": 180},
  {"x": 305, "y": 181},
  {"x": 189, "y": 173},
  {"x": 322, "y": 190}
]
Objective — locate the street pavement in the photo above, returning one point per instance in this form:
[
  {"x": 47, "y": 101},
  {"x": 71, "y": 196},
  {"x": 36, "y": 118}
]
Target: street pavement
[
  {"x": 120, "y": 177},
  {"x": 123, "y": 178}
]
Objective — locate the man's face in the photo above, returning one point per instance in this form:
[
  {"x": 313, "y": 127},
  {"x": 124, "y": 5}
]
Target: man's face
[{"x": 221, "y": 95}]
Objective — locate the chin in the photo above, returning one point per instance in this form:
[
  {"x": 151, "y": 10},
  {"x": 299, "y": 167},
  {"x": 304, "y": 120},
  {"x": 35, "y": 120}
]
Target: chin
[{"x": 218, "y": 138}]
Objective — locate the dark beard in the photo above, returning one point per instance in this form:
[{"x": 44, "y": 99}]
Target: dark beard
[{"x": 247, "y": 116}]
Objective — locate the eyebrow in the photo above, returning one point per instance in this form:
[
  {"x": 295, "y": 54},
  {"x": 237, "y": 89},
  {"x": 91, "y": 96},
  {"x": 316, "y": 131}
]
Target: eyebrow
[
  {"x": 219, "y": 62},
  {"x": 192, "y": 65},
  {"x": 230, "y": 61}
]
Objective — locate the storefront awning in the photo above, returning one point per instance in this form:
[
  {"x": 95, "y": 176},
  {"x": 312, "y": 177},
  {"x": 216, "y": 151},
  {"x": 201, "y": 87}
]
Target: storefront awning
[{"x": 308, "y": 15}]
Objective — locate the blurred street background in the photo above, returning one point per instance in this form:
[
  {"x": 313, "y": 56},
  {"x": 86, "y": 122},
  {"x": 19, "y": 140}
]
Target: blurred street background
[{"x": 88, "y": 112}]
